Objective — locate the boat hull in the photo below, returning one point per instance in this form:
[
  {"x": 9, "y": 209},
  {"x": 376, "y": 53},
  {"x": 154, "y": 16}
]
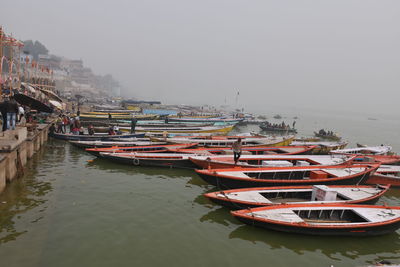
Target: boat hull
[
  {"x": 394, "y": 181},
  {"x": 229, "y": 182},
  {"x": 73, "y": 137},
  {"x": 343, "y": 231},
  {"x": 235, "y": 204},
  {"x": 152, "y": 162}
]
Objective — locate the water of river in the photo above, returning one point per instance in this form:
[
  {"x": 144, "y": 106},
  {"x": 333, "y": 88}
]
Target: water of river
[{"x": 71, "y": 210}]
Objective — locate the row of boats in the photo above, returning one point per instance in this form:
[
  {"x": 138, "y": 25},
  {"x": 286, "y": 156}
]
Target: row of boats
[{"x": 278, "y": 183}]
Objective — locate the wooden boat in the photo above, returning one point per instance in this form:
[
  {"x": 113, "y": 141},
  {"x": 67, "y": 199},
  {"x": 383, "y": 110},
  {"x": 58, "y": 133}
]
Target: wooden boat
[
  {"x": 328, "y": 136},
  {"x": 324, "y": 219},
  {"x": 115, "y": 143},
  {"x": 382, "y": 159},
  {"x": 379, "y": 178},
  {"x": 169, "y": 160},
  {"x": 286, "y": 176},
  {"x": 33, "y": 103},
  {"x": 277, "y": 129},
  {"x": 260, "y": 161},
  {"x": 102, "y": 137},
  {"x": 323, "y": 147},
  {"x": 311, "y": 194},
  {"x": 206, "y": 120},
  {"x": 131, "y": 149},
  {"x": 255, "y": 150},
  {"x": 372, "y": 150},
  {"x": 387, "y": 174},
  {"x": 182, "y": 129},
  {"x": 227, "y": 142},
  {"x": 105, "y": 117}
]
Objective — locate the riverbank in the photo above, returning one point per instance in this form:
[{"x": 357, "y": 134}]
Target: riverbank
[{"x": 16, "y": 148}]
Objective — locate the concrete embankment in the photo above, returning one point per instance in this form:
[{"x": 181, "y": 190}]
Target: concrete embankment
[{"x": 16, "y": 148}]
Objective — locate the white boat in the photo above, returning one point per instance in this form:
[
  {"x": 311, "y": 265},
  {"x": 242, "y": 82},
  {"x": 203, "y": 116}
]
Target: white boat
[
  {"x": 324, "y": 219},
  {"x": 257, "y": 161},
  {"x": 371, "y": 150},
  {"x": 312, "y": 194}
]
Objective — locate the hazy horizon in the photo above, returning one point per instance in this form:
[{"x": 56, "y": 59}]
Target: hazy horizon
[{"x": 338, "y": 55}]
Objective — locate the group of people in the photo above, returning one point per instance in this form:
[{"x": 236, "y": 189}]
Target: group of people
[
  {"x": 282, "y": 125},
  {"x": 326, "y": 133},
  {"x": 73, "y": 124},
  {"x": 11, "y": 113}
]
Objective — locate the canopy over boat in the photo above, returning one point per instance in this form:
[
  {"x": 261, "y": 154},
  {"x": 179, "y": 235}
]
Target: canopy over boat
[{"x": 324, "y": 219}]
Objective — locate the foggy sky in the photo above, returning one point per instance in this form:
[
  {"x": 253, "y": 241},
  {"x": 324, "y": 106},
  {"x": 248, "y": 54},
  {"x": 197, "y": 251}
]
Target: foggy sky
[{"x": 339, "y": 54}]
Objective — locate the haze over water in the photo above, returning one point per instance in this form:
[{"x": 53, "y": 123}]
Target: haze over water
[{"x": 336, "y": 55}]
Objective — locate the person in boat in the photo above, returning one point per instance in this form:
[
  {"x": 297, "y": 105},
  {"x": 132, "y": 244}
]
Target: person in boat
[
  {"x": 237, "y": 149},
  {"x": 91, "y": 129},
  {"x": 81, "y": 131},
  {"x": 165, "y": 135},
  {"x": 111, "y": 131},
  {"x": 65, "y": 122},
  {"x": 133, "y": 124},
  {"x": 117, "y": 130},
  {"x": 59, "y": 124}
]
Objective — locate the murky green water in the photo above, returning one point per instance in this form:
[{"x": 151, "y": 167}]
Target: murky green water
[{"x": 66, "y": 211}]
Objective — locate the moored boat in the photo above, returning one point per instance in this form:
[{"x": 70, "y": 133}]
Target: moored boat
[
  {"x": 115, "y": 143},
  {"x": 130, "y": 149},
  {"x": 260, "y": 161},
  {"x": 322, "y": 147},
  {"x": 324, "y": 219},
  {"x": 372, "y": 150},
  {"x": 151, "y": 159},
  {"x": 227, "y": 142},
  {"x": 102, "y": 137},
  {"x": 285, "y": 176},
  {"x": 388, "y": 174},
  {"x": 256, "y": 150},
  {"x": 267, "y": 196}
]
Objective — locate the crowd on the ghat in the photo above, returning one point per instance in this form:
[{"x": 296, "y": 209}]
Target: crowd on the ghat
[
  {"x": 68, "y": 123},
  {"x": 13, "y": 113}
]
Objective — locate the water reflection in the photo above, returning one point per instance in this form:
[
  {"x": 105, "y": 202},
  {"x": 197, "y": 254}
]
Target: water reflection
[
  {"x": 220, "y": 216},
  {"x": 112, "y": 167},
  {"x": 332, "y": 246},
  {"x": 20, "y": 196}
]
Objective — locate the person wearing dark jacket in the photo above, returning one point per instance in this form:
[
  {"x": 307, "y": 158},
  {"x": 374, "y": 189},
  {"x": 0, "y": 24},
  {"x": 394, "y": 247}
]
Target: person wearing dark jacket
[
  {"x": 12, "y": 110},
  {"x": 3, "y": 110}
]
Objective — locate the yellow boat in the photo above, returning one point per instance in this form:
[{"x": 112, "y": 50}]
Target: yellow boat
[{"x": 207, "y": 129}]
